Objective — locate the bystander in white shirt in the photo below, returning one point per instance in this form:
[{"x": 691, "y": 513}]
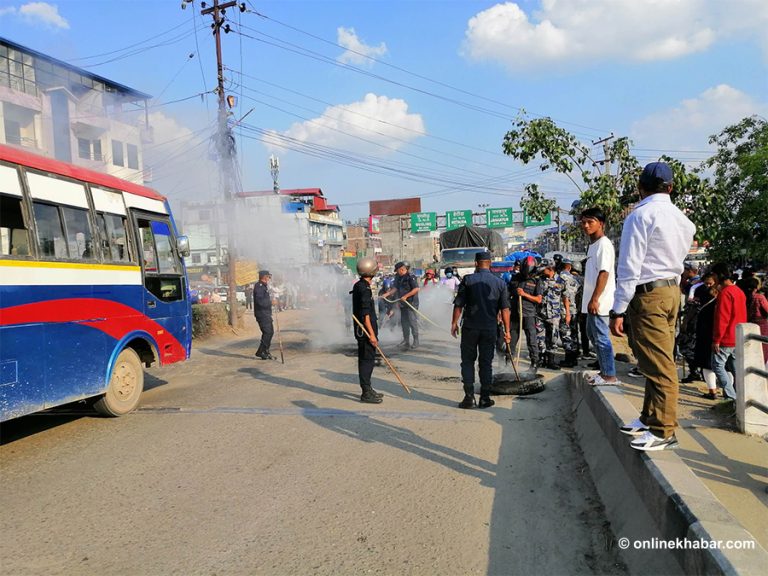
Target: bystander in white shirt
[
  {"x": 601, "y": 256},
  {"x": 655, "y": 240}
]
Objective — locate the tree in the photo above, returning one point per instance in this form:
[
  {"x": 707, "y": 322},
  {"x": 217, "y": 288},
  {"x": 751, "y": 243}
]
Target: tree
[
  {"x": 561, "y": 151},
  {"x": 739, "y": 227}
]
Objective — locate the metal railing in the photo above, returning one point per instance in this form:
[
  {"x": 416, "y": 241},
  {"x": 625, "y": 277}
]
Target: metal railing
[{"x": 751, "y": 380}]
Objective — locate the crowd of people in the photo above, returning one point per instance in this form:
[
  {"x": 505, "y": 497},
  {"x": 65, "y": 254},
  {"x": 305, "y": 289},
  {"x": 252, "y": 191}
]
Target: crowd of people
[{"x": 668, "y": 309}]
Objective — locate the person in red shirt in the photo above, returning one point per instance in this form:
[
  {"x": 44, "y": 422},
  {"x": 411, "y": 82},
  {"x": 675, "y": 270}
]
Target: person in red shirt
[{"x": 730, "y": 310}]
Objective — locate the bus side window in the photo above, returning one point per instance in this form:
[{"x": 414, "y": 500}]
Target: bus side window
[
  {"x": 114, "y": 238},
  {"x": 14, "y": 239},
  {"x": 50, "y": 231},
  {"x": 79, "y": 234}
]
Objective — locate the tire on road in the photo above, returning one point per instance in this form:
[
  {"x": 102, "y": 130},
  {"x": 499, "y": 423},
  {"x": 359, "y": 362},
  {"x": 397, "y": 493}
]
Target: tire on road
[
  {"x": 125, "y": 386},
  {"x": 507, "y": 384}
]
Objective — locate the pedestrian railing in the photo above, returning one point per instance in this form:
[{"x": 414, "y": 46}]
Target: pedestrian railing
[{"x": 751, "y": 380}]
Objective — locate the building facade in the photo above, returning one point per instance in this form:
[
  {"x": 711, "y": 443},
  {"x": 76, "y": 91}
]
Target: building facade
[{"x": 52, "y": 108}]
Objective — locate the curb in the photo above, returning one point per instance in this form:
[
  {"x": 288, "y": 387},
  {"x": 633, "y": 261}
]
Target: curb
[{"x": 654, "y": 497}]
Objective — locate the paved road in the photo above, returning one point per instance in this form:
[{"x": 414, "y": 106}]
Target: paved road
[{"x": 238, "y": 466}]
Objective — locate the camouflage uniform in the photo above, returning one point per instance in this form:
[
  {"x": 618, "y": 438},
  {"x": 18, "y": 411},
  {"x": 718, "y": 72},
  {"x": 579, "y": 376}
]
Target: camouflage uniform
[
  {"x": 550, "y": 312},
  {"x": 569, "y": 331}
]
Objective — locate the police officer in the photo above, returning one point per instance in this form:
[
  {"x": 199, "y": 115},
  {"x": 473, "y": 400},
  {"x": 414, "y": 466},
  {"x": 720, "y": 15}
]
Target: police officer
[
  {"x": 407, "y": 289},
  {"x": 525, "y": 292},
  {"x": 569, "y": 323},
  {"x": 481, "y": 296},
  {"x": 364, "y": 310},
  {"x": 553, "y": 307},
  {"x": 262, "y": 309}
]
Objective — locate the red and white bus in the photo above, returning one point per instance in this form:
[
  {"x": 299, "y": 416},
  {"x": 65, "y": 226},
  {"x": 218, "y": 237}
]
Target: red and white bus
[{"x": 92, "y": 286}]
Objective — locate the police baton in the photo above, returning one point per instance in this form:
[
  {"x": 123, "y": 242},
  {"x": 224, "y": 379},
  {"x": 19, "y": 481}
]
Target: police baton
[
  {"x": 403, "y": 384},
  {"x": 415, "y": 310}
]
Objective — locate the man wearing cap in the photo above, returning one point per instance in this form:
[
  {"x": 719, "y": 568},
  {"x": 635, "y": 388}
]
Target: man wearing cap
[
  {"x": 262, "y": 309},
  {"x": 481, "y": 297},
  {"x": 654, "y": 243},
  {"x": 554, "y": 306},
  {"x": 407, "y": 289},
  {"x": 525, "y": 297}
]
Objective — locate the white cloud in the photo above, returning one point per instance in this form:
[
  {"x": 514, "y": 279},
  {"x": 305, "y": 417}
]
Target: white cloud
[
  {"x": 43, "y": 13},
  {"x": 688, "y": 125},
  {"x": 357, "y": 50},
  {"x": 384, "y": 121},
  {"x": 566, "y": 32}
]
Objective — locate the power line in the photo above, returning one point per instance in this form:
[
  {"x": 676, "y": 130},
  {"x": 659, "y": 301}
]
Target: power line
[{"x": 414, "y": 74}]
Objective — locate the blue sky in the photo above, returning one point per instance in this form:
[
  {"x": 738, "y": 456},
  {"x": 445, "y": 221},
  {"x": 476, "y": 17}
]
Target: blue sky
[{"x": 426, "y": 114}]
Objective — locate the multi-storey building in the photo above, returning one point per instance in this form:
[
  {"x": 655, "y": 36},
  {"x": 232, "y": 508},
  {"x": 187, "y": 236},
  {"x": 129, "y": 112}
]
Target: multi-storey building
[{"x": 55, "y": 109}]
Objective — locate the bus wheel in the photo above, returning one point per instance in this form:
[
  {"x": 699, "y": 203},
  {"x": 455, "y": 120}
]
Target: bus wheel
[{"x": 125, "y": 386}]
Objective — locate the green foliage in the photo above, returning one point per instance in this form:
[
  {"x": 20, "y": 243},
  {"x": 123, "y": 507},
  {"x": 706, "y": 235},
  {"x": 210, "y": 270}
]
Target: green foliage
[
  {"x": 557, "y": 149},
  {"x": 535, "y": 204},
  {"x": 726, "y": 197},
  {"x": 740, "y": 191}
]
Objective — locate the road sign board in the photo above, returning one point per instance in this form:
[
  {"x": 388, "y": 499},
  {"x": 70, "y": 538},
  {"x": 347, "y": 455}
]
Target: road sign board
[
  {"x": 423, "y": 222},
  {"x": 458, "y": 218},
  {"x": 527, "y": 221},
  {"x": 498, "y": 217}
]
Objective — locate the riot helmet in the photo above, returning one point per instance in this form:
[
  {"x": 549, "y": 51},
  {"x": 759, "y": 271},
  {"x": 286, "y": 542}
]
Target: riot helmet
[{"x": 367, "y": 267}]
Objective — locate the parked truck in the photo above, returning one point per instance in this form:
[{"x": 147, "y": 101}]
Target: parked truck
[{"x": 458, "y": 247}]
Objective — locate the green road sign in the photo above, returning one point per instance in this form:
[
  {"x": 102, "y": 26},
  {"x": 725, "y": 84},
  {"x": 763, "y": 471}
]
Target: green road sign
[
  {"x": 423, "y": 221},
  {"x": 498, "y": 217},
  {"x": 458, "y": 218},
  {"x": 527, "y": 221}
]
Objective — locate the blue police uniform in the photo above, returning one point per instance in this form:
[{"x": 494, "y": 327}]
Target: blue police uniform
[
  {"x": 408, "y": 321},
  {"x": 481, "y": 296},
  {"x": 262, "y": 310}
]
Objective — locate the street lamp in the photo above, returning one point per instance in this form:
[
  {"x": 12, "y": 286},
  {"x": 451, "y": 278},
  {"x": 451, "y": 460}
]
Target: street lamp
[{"x": 274, "y": 169}]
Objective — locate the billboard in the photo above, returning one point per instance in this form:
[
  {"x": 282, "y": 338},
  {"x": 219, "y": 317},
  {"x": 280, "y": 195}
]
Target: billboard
[
  {"x": 374, "y": 224},
  {"x": 396, "y": 207}
]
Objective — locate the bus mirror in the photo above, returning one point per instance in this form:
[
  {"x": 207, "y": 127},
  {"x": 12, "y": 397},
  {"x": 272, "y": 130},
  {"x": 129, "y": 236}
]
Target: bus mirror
[{"x": 182, "y": 245}]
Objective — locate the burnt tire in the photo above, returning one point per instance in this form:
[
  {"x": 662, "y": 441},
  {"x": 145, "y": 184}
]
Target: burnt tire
[
  {"x": 125, "y": 386},
  {"x": 507, "y": 384}
]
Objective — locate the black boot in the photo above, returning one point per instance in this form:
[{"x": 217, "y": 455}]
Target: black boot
[
  {"x": 570, "y": 360},
  {"x": 468, "y": 402},
  {"x": 549, "y": 361},
  {"x": 415, "y": 344},
  {"x": 485, "y": 401},
  {"x": 370, "y": 396}
]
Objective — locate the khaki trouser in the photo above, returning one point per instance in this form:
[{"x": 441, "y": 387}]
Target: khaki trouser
[{"x": 653, "y": 327}]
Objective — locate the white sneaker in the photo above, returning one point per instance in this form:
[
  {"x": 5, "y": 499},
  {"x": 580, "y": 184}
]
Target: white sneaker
[
  {"x": 634, "y": 428},
  {"x": 598, "y": 380},
  {"x": 649, "y": 442}
]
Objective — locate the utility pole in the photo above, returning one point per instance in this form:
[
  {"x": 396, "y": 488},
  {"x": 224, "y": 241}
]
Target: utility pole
[
  {"x": 225, "y": 147},
  {"x": 606, "y": 157}
]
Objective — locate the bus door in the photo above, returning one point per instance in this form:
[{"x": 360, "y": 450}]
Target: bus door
[{"x": 165, "y": 294}]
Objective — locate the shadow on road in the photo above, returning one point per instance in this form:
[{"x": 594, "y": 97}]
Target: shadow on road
[
  {"x": 272, "y": 379},
  {"x": 367, "y": 429}
]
